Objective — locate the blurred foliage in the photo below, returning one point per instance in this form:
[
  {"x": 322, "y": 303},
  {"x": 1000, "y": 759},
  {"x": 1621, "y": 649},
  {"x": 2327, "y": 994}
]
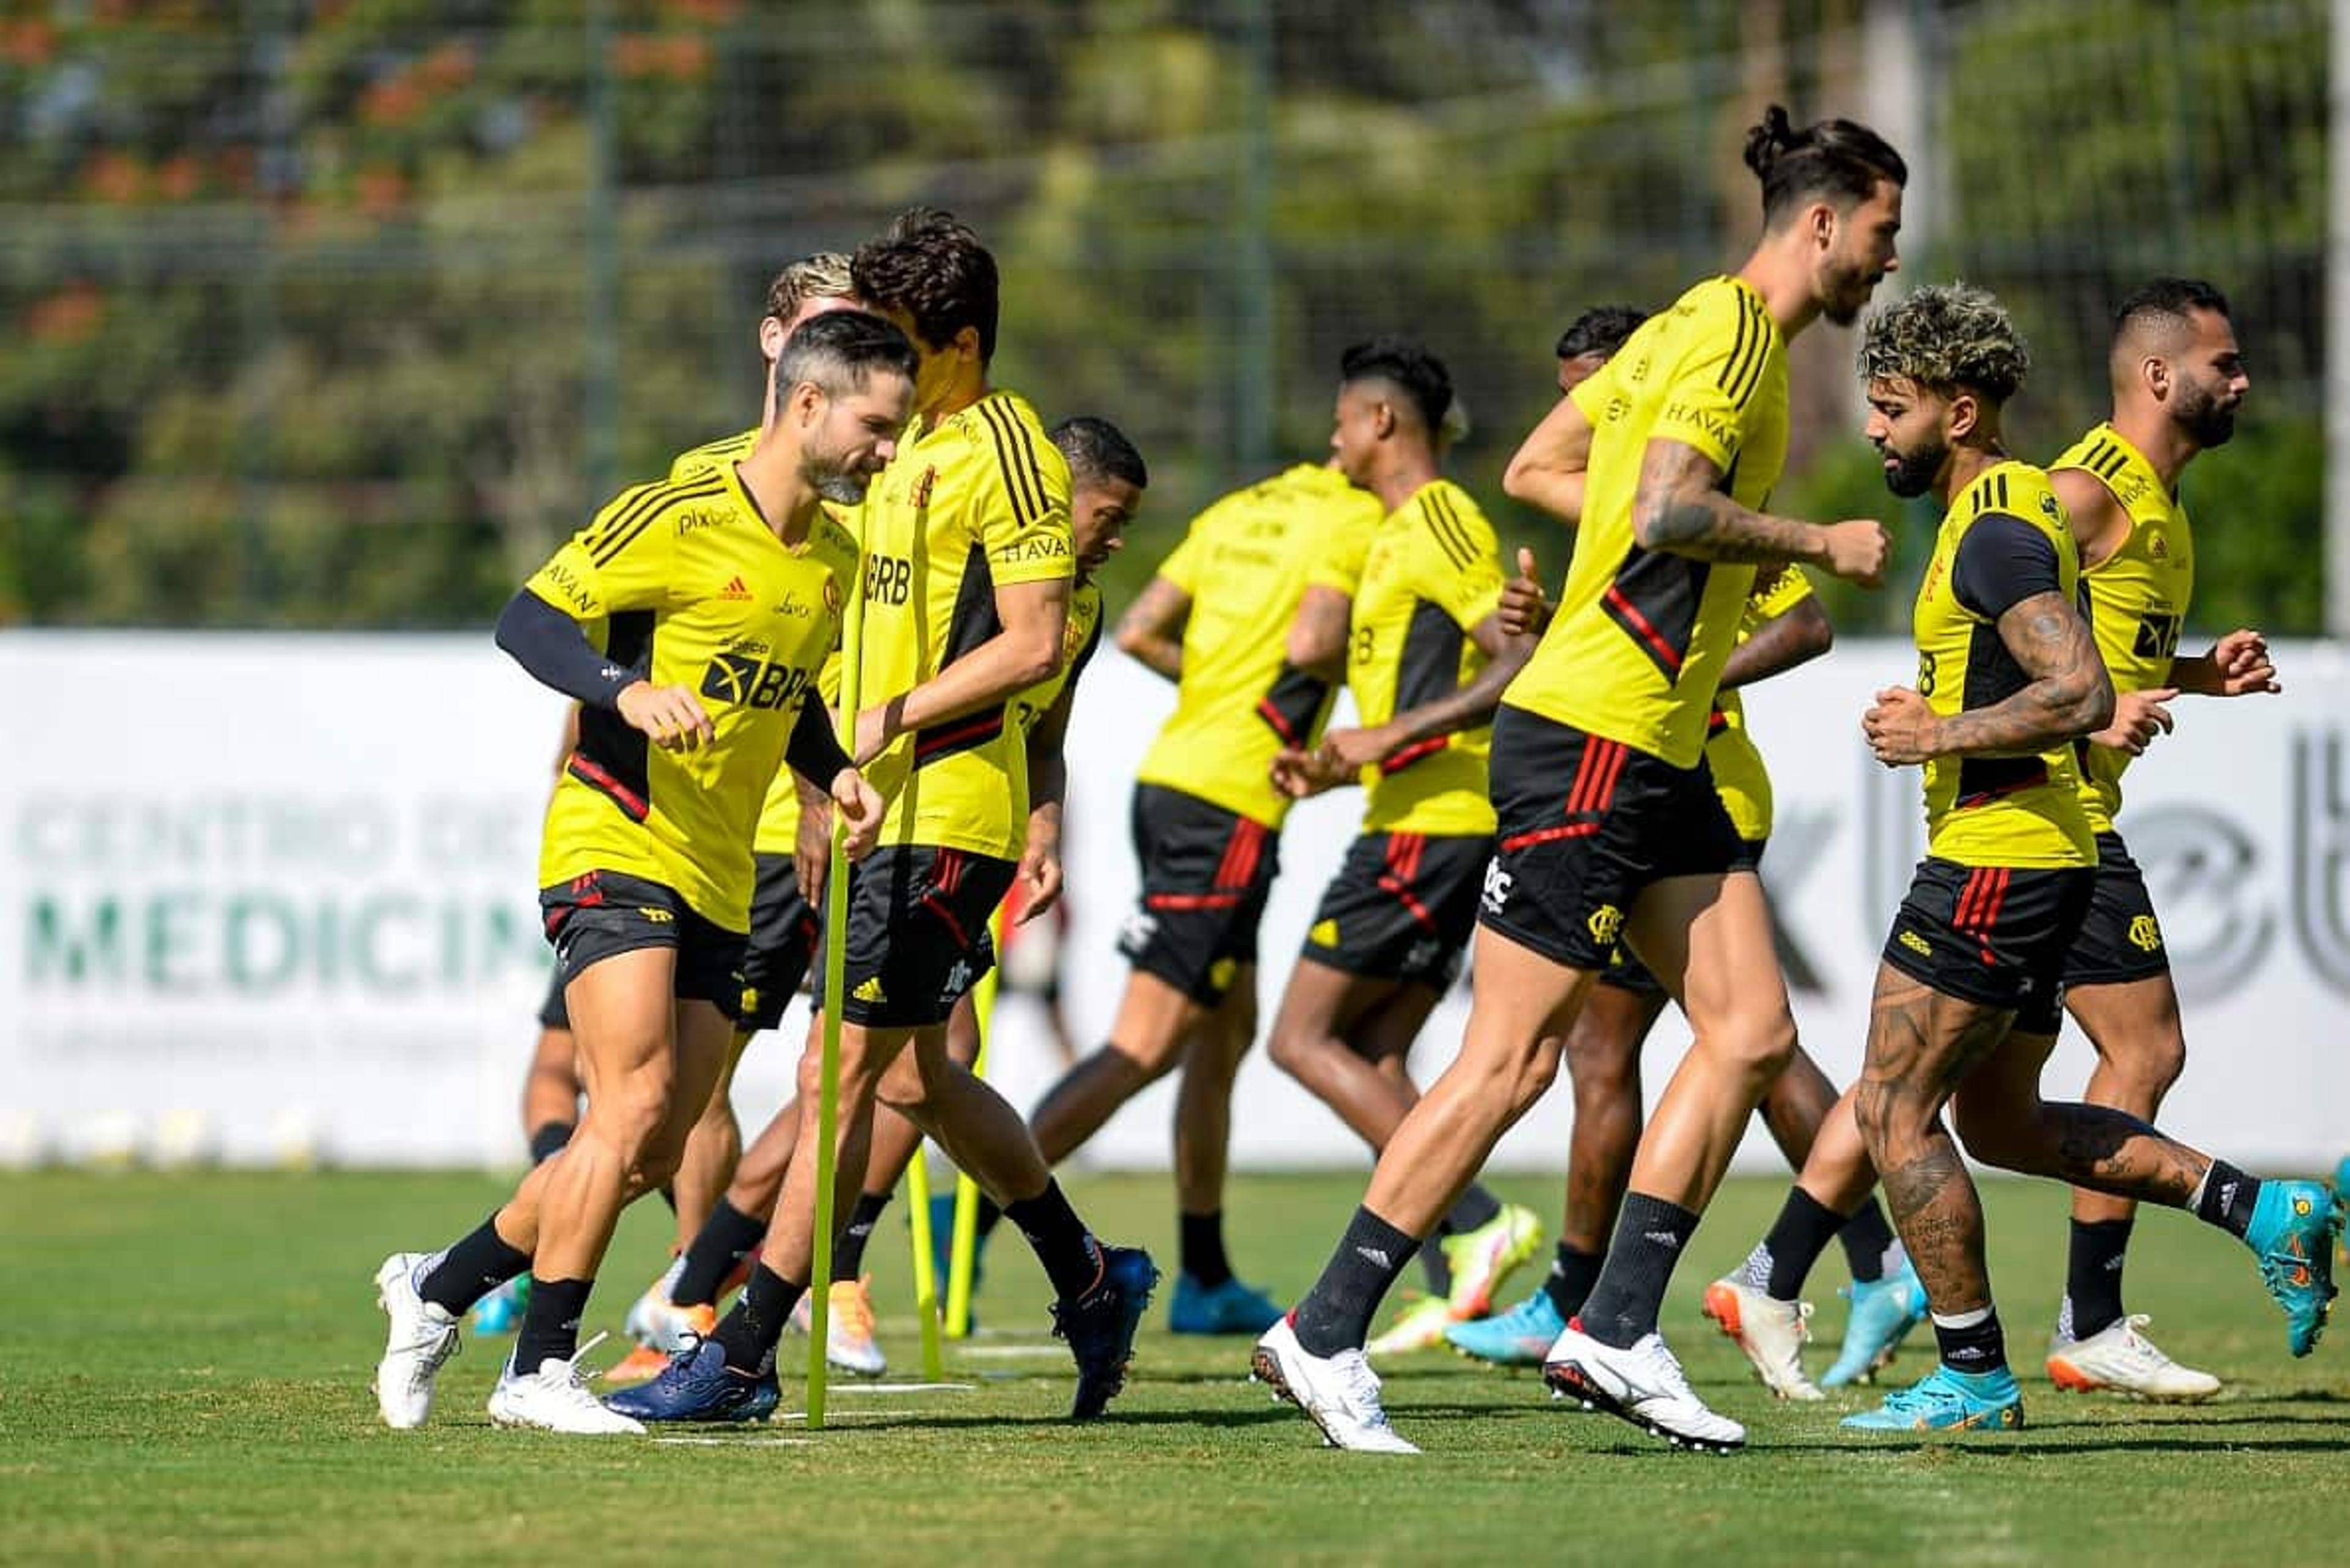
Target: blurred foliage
[{"x": 342, "y": 312}]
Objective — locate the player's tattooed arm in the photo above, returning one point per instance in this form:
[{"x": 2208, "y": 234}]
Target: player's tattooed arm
[
  {"x": 2070, "y": 694},
  {"x": 1678, "y": 507},
  {"x": 1152, "y": 630},
  {"x": 1549, "y": 468},
  {"x": 1318, "y": 635},
  {"x": 1798, "y": 636}
]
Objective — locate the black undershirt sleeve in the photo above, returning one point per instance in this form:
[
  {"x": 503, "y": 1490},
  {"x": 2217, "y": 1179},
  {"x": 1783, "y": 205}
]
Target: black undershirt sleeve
[
  {"x": 552, "y": 648},
  {"x": 2002, "y": 561},
  {"x": 814, "y": 750}
]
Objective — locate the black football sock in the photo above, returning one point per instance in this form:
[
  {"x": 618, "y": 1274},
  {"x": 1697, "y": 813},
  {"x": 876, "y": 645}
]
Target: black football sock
[
  {"x": 752, "y": 1328},
  {"x": 849, "y": 1251},
  {"x": 2227, "y": 1198},
  {"x": 550, "y": 1323},
  {"x": 1868, "y": 1242},
  {"x": 1572, "y": 1276},
  {"x": 1476, "y": 1208},
  {"x": 548, "y": 1139},
  {"x": 471, "y": 1269},
  {"x": 1072, "y": 1259},
  {"x": 725, "y": 1239},
  {"x": 1798, "y": 1236},
  {"x": 1651, "y": 1236},
  {"x": 991, "y": 1215},
  {"x": 1201, "y": 1248},
  {"x": 1971, "y": 1341},
  {"x": 1335, "y": 1314}
]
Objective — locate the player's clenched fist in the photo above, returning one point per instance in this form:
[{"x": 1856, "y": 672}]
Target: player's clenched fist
[
  {"x": 1524, "y": 610},
  {"x": 1858, "y": 551},
  {"x": 670, "y": 716},
  {"x": 1901, "y": 728},
  {"x": 859, "y": 806},
  {"x": 2138, "y": 718}
]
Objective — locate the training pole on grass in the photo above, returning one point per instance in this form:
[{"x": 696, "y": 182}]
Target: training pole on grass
[
  {"x": 966, "y": 1209},
  {"x": 835, "y": 934}
]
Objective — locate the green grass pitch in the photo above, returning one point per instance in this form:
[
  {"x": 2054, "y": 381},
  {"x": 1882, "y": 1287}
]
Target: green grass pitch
[{"x": 183, "y": 1375}]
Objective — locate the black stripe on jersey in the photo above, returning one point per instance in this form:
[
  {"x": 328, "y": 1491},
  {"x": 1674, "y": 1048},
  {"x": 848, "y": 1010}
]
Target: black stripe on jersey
[
  {"x": 2110, "y": 467},
  {"x": 973, "y": 621},
  {"x": 1655, "y": 600},
  {"x": 1729, "y": 368},
  {"x": 631, "y": 499},
  {"x": 1021, "y": 479},
  {"x": 640, "y": 516},
  {"x": 611, "y": 756},
  {"x": 1745, "y": 372},
  {"x": 1428, "y": 667},
  {"x": 1295, "y": 705},
  {"x": 1450, "y": 536},
  {"x": 955, "y": 736}
]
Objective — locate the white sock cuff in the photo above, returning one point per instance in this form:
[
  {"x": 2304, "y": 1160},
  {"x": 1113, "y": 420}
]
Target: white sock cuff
[{"x": 1963, "y": 1319}]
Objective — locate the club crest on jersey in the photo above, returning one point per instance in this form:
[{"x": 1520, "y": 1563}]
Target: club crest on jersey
[
  {"x": 2144, "y": 934},
  {"x": 1606, "y": 923},
  {"x": 2049, "y": 509},
  {"x": 921, "y": 496}
]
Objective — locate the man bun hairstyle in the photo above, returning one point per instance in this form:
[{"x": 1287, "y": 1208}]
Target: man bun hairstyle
[{"x": 1840, "y": 161}]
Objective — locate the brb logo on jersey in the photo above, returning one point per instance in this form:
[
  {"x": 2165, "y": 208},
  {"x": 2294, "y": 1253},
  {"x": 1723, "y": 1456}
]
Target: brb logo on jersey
[{"x": 751, "y": 682}]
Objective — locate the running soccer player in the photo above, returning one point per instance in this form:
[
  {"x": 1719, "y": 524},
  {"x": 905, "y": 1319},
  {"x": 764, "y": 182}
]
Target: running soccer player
[
  {"x": 2177, "y": 379},
  {"x": 969, "y": 562},
  {"x": 718, "y": 601},
  {"x": 1107, "y": 480},
  {"x": 1229, "y": 618},
  {"x": 1426, "y": 659},
  {"x": 1969, "y": 988},
  {"x": 1679, "y": 439}
]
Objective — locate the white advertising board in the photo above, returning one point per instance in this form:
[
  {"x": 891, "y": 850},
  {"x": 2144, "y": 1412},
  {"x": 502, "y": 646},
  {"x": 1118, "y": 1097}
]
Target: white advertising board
[{"x": 275, "y": 894}]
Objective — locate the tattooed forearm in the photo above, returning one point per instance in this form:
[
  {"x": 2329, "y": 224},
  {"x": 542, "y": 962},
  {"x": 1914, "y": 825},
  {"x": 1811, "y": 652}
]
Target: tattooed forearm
[
  {"x": 2070, "y": 694},
  {"x": 1679, "y": 508}
]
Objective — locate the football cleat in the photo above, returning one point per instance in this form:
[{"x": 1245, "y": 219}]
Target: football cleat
[
  {"x": 1100, "y": 1326},
  {"x": 1947, "y": 1401},
  {"x": 1642, "y": 1383},
  {"x": 1340, "y": 1394},
  {"x": 1883, "y": 1312},
  {"x": 1771, "y": 1333},
  {"x": 1519, "y": 1337},
  {"x": 420, "y": 1338},
  {"x": 2120, "y": 1359},
  {"x": 1482, "y": 1259},
  {"x": 2295, "y": 1227},
  {"x": 1231, "y": 1307}
]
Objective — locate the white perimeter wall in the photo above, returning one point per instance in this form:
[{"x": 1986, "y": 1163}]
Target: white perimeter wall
[{"x": 286, "y": 883}]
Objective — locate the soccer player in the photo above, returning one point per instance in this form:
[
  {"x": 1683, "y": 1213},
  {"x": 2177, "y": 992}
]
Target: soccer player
[
  {"x": 1782, "y": 626},
  {"x": 1426, "y": 659},
  {"x": 1228, "y": 618},
  {"x": 968, "y": 566},
  {"x": 718, "y": 601},
  {"x": 1107, "y": 480},
  {"x": 1609, "y": 825},
  {"x": 1968, "y": 990},
  {"x": 2177, "y": 378}
]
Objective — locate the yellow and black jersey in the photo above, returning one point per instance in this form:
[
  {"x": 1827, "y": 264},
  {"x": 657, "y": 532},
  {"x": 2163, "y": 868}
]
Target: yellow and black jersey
[
  {"x": 721, "y": 454},
  {"x": 1636, "y": 650},
  {"x": 2004, "y": 539},
  {"x": 2136, "y": 596},
  {"x": 687, "y": 584},
  {"x": 1432, "y": 573},
  {"x": 976, "y": 501},
  {"x": 1078, "y": 644},
  {"x": 1739, "y": 775},
  {"x": 1245, "y": 563},
  {"x": 779, "y": 814}
]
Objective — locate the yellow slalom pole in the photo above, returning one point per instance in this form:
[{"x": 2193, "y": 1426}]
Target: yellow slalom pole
[
  {"x": 926, "y": 1282},
  {"x": 966, "y": 1214},
  {"x": 835, "y": 943}
]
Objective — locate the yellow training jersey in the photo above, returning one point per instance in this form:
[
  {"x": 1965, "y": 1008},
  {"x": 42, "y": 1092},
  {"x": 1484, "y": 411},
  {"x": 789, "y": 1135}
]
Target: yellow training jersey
[
  {"x": 2137, "y": 596},
  {"x": 687, "y": 584},
  {"x": 976, "y": 501},
  {"x": 1636, "y": 650},
  {"x": 1245, "y": 564},
  {"x": 1739, "y": 775},
  {"x": 1434, "y": 571},
  {"x": 779, "y": 814},
  {"x": 2020, "y": 812},
  {"x": 723, "y": 452},
  {"x": 1077, "y": 646}
]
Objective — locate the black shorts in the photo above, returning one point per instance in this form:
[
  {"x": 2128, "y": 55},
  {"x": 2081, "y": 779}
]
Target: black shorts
[
  {"x": 1206, "y": 873},
  {"x": 1626, "y": 973},
  {"x": 1993, "y": 935},
  {"x": 1586, "y": 825},
  {"x": 2120, "y": 941},
  {"x": 605, "y": 913},
  {"x": 918, "y": 936},
  {"x": 555, "y": 1013},
  {"x": 1401, "y": 906},
  {"x": 783, "y": 943}
]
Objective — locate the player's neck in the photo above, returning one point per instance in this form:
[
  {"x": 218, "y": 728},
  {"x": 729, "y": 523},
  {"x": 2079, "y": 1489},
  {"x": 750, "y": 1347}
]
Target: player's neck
[
  {"x": 1402, "y": 479},
  {"x": 967, "y": 387},
  {"x": 786, "y": 503},
  {"x": 1782, "y": 274},
  {"x": 2165, "y": 447},
  {"x": 1968, "y": 463}
]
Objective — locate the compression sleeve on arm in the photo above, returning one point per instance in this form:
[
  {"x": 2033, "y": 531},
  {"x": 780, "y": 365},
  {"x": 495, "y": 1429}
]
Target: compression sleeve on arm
[{"x": 551, "y": 646}]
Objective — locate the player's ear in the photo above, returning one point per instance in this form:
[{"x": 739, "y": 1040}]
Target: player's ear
[
  {"x": 1960, "y": 415},
  {"x": 966, "y": 343},
  {"x": 771, "y": 337},
  {"x": 1383, "y": 419},
  {"x": 1822, "y": 217},
  {"x": 2155, "y": 370}
]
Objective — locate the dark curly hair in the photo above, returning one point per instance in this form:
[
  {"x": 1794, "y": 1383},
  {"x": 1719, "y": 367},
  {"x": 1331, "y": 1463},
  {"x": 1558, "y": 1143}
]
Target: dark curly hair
[{"x": 930, "y": 266}]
